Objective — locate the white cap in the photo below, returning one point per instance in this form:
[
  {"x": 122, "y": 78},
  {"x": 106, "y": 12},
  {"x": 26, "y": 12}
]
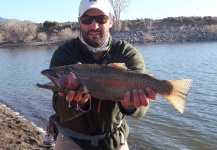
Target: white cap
[{"x": 102, "y": 5}]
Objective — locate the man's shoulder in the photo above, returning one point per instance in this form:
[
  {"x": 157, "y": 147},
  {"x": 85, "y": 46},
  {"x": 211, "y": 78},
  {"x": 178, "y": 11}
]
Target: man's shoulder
[
  {"x": 70, "y": 43},
  {"x": 119, "y": 42},
  {"x": 68, "y": 46},
  {"x": 122, "y": 45}
]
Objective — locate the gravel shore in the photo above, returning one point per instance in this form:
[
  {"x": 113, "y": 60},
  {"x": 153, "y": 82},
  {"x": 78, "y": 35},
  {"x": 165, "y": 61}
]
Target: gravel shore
[{"x": 17, "y": 133}]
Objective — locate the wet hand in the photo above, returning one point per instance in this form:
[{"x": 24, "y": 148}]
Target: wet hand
[
  {"x": 79, "y": 97},
  {"x": 139, "y": 98}
]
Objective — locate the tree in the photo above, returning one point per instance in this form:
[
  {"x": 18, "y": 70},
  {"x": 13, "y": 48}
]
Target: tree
[
  {"x": 49, "y": 24},
  {"x": 19, "y": 31},
  {"x": 118, "y": 6}
]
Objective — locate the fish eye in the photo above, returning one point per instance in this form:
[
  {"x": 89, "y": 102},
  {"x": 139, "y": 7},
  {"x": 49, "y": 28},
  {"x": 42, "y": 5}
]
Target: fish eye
[{"x": 56, "y": 75}]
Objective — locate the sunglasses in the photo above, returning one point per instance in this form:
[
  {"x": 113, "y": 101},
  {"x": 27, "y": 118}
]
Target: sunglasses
[{"x": 102, "y": 19}]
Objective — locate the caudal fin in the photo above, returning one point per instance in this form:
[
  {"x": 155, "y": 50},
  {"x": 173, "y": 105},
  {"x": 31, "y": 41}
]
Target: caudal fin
[{"x": 179, "y": 93}]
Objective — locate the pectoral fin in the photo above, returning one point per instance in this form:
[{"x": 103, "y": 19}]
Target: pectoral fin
[{"x": 83, "y": 89}]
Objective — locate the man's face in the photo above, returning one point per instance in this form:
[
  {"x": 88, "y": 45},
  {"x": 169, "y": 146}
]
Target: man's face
[{"x": 95, "y": 34}]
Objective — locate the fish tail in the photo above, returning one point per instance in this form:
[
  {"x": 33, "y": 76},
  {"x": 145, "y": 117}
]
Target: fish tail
[{"x": 179, "y": 92}]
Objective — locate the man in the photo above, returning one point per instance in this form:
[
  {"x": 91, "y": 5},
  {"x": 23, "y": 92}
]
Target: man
[{"x": 87, "y": 122}]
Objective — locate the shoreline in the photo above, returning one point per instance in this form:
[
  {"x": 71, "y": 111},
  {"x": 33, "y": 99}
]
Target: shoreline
[
  {"x": 17, "y": 132},
  {"x": 30, "y": 44},
  {"x": 59, "y": 43}
]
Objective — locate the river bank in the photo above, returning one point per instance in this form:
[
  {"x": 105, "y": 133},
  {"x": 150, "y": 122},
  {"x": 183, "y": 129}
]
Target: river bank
[
  {"x": 167, "y": 34},
  {"x": 131, "y": 37},
  {"x": 17, "y": 132},
  {"x": 29, "y": 44},
  {"x": 159, "y": 34}
]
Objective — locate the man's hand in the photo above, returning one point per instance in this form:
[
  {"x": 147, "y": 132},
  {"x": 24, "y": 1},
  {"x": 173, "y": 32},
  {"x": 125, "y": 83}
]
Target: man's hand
[
  {"x": 139, "y": 97},
  {"x": 79, "y": 97}
]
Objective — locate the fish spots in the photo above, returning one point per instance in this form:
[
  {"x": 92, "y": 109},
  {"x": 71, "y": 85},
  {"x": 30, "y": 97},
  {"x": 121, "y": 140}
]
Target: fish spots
[{"x": 113, "y": 82}]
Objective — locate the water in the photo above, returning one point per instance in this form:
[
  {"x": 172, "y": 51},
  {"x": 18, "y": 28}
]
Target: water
[
  {"x": 20, "y": 71},
  {"x": 163, "y": 127}
]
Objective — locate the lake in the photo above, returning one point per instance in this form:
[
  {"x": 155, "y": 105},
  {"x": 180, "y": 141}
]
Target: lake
[{"x": 163, "y": 127}]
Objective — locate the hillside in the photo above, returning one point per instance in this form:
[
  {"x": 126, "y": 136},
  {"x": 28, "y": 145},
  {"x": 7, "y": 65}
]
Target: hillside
[
  {"x": 7, "y": 20},
  {"x": 3, "y": 19},
  {"x": 139, "y": 31},
  {"x": 169, "y": 29}
]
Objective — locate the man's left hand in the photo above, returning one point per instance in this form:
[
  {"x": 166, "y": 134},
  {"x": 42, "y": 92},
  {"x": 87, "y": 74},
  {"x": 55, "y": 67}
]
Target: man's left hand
[{"x": 139, "y": 97}]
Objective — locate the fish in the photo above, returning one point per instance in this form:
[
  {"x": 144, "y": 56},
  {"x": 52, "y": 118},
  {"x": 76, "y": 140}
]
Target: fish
[{"x": 111, "y": 81}]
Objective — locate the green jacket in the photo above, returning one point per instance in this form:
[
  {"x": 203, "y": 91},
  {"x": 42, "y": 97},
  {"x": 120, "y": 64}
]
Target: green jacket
[{"x": 90, "y": 121}]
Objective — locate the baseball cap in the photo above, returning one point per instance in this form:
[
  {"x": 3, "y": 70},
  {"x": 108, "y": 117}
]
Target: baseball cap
[{"x": 102, "y": 5}]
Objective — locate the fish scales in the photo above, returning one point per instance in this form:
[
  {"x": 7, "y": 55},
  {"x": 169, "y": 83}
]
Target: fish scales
[{"x": 104, "y": 79}]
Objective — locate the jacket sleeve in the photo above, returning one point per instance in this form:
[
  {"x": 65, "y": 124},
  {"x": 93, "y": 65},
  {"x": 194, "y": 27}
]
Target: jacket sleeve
[{"x": 135, "y": 113}]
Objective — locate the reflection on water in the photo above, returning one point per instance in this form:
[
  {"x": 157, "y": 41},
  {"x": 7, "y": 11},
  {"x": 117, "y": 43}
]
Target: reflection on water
[{"x": 163, "y": 127}]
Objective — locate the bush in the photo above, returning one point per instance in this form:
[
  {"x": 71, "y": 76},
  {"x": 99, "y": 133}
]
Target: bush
[
  {"x": 1, "y": 37},
  {"x": 66, "y": 34},
  {"x": 42, "y": 36}
]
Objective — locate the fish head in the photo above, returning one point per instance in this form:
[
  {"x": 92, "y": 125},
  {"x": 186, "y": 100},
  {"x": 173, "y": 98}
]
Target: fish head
[{"x": 62, "y": 79}]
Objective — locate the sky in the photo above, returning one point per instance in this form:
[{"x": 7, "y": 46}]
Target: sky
[{"x": 67, "y": 10}]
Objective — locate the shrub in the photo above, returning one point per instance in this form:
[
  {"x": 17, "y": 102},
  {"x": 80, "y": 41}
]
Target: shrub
[
  {"x": 66, "y": 34},
  {"x": 42, "y": 36}
]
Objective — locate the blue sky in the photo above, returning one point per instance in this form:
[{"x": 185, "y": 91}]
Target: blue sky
[{"x": 67, "y": 10}]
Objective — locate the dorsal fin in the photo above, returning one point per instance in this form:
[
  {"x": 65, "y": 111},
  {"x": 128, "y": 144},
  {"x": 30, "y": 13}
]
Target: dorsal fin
[
  {"x": 120, "y": 66},
  {"x": 150, "y": 75}
]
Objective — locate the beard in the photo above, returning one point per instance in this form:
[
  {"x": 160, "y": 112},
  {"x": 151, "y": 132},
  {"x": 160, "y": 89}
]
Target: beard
[{"x": 94, "y": 41}]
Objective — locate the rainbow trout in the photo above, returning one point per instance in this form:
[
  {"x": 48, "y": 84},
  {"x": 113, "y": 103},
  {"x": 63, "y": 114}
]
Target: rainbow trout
[{"x": 110, "y": 82}]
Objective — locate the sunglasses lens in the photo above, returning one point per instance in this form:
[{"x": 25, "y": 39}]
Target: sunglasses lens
[
  {"x": 102, "y": 19},
  {"x": 86, "y": 20},
  {"x": 99, "y": 19}
]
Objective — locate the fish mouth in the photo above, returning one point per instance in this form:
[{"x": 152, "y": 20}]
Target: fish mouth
[{"x": 54, "y": 84}]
